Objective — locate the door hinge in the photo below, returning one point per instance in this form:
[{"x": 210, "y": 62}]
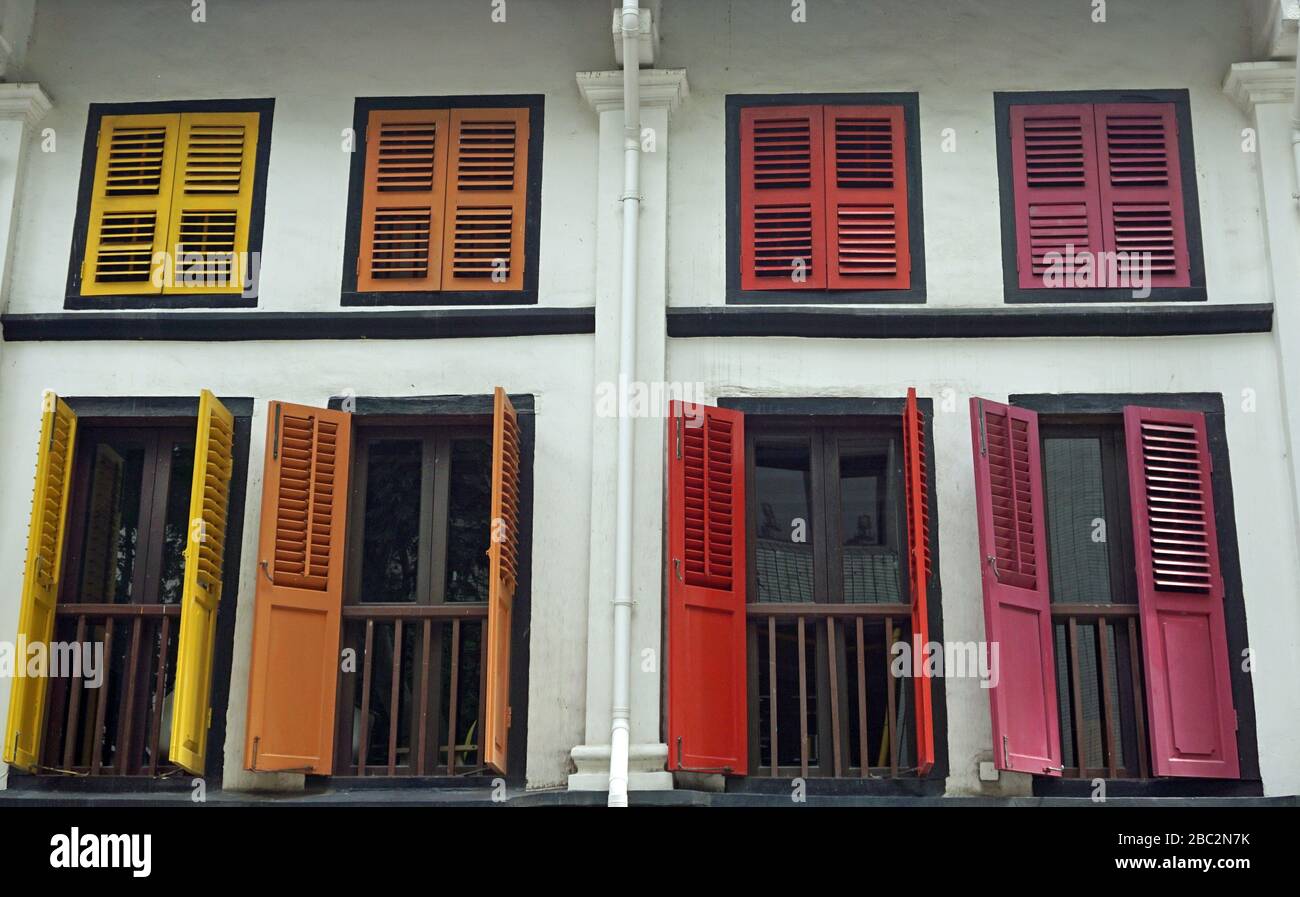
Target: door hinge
[
  {"x": 984, "y": 442},
  {"x": 1006, "y": 753},
  {"x": 509, "y": 716},
  {"x": 275, "y": 437}
]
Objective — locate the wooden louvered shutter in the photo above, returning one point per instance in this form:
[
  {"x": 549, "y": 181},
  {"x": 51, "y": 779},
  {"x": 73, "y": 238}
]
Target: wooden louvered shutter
[
  {"x": 403, "y": 206},
  {"x": 866, "y": 199},
  {"x": 918, "y": 565},
  {"x": 707, "y": 718},
  {"x": 126, "y": 229},
  {"x": 201, "y": 591},
  {"x": 295, "y": 665},
  {"x": 212, "y": 202},
  {"x": 1142, "y": 190},
  {"x": 782, "y": 198},
  {"x": 503, "y": 576},
  {"x": 1058, "y": 204},
  {"x": 483, "y": 242},
  {"x": 1013, "y": 567},
  {"x": 1180, "y": 595},
  {"x": 36, "y": 604}
]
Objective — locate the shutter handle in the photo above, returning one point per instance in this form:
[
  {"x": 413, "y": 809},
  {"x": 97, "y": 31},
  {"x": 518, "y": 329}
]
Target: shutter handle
[
  {"x": 1053, "y": 769},
  {"x": 993, "y": 563},
  {"x": 677, "y": 568},
  {"x": 266, "y": 572}
]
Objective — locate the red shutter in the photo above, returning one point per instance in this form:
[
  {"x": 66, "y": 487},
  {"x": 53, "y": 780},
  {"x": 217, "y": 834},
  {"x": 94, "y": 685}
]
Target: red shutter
[
  {"x": 1142, "y": 188},
  {"x": 1058, "y": 205},
  {"x": 918, "y": 565},
  {"x": 706, "y": 590},
  {"x": 1013, "y": 565},
  {"x": 782, "y": 199},
  {"x": 1180, "y": 593},
  {"x": 866, "y": 199}
]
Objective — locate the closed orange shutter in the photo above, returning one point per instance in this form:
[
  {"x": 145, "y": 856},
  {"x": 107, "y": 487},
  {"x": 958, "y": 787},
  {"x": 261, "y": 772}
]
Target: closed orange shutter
[
  {"x": 402, "y": 209},
  {"x": 503, "y": 576},
  {"x": 483, "y": 243},
  {"x": 295, "y": 663}
]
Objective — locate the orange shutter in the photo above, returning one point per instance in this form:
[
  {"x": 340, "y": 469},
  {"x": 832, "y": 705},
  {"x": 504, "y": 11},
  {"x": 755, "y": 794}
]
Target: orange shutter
[
  {"x": 402, "y": 209},
  {"x": 483, "y": 243},
  {"x": 918, "y": 565},
  {"x": 295, "y": 664},
  {"x": 503, "y": 573}
]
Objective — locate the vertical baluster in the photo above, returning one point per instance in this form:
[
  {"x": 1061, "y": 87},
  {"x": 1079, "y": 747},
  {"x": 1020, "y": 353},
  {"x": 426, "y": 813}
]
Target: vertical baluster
[
  {"x": 363, "y": 743},
  {"x": 127, "y": 711},
  {"x": 803, "y": 703},
  {"x": 771, "y": 692},
  {"x": 1109, "y": 715},
  {"x": 96, "y": 743},
  {"x": 482, "y": 691},
  {"x": 159, "y": 694},
  {"x": 1076, "y": 689},
  {"x": 832, "y": 649},
  {"x": 422, "y": 731},
  {"x": 74, "y": 703},
  {"x": 395, "y": 697},
  {"x": 893, "y": 701},
  {"x": 455, "y": 696},
  {"x": 864, "y": 750},
  {"x": 1135, "y": 664}
]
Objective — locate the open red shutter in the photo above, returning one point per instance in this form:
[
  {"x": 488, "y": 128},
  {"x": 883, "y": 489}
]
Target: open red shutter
[
  {"x": 782, "y": 201},
  {"x": 1058, "y": 204},
  {"x": 1142, "y": 188},
  {"x": 918, "y": 566},
  {"x": 866, "y": 199},
  {"x": 1180, "y": 595},
  {"x": 1017, "y": 609},
  {"x": 707, "y": 726}
]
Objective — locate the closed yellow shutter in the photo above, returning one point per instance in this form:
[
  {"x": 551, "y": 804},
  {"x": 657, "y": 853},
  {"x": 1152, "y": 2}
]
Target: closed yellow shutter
[
  {"x": 503, "y": 575},
  {"x": 45, "y": 539},
  {"x": 212, "y": 201},
  {"x": 129, "y": 204},
  {"x": 204, "y": 551}
]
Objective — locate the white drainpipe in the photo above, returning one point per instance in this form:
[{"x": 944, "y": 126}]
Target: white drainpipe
[
  {"x": 1295, "y": 127},
  {"x": 620, "y": 703}
]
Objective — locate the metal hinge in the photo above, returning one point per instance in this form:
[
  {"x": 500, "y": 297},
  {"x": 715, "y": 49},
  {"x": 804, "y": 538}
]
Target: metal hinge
[
  {"x": 725, "y": 770},
  {"x": 679, "y": 438},
  {"x": 509, "y": 716},
  {"x": 275, "y": 438},
  {"x": 209, "y": 717},
  {"x": 1006, "y": 753},
  {"x": 984, "y": 442},
  {"x": 1236, "y": 720}
]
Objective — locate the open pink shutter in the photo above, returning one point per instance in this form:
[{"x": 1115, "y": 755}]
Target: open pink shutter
[
  {"x": 1180, "y": 595},
  {"x": 1058, "y": 206},
  {"x": 707, "y": 721},
  {"x": 1142, "y": 189},
  {"x": 1013, "y": 566}
]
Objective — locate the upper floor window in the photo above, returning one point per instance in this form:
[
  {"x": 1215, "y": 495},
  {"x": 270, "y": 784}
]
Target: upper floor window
[
  {"x": 444, "y": 202},
  {"x": 1099, "y": 197},
  {"x": 171, "y": 206},
  {"x": 824, "y": 201}
]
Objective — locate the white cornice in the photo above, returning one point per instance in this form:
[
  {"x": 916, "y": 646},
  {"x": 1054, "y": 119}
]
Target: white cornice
[
  {"x": 603, "y": 91},
  {"x": 1252, "y": 83},
  {"x": 26, "y": 102}
]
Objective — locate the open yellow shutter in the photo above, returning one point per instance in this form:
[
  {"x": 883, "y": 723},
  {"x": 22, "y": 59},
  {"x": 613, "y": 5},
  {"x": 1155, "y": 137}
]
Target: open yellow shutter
[
  {"x": 204, "y": 550},
  {"x": 212, "y": 202},
  {"x": 129, "y": 203},
  {"x": 503, "y": 572},
  {"x": 45, "y": 539},
  {"x": 487, "y": 180}
]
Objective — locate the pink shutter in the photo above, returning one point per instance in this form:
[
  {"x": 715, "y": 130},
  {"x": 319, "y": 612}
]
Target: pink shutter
[
  {"x": 1180, "y": 594},
  {"x": 1142, "y": 189},
  {"x": 1013, "y": 566},
  {"x": 1058, "y": 207}
]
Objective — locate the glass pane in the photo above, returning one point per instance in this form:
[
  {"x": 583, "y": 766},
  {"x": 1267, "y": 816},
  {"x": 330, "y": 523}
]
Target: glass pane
[
  {"x": 391, "y": 550},
  {"x": 468, "y": 526},
  {"x": 1076, "y": 514},
  {"x": 177, "y": 524},
  {"x": 869, "y": 527},
  {"x": 112, "y": 523},
  {"x": 783, "y": 544}
]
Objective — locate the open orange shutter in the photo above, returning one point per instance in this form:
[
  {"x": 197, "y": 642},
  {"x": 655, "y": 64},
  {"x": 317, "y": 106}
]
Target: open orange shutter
[
  {"x": 866, "y": 199},
  {"x": 403, "y": 205},
  {"x": 503, "y": 576},
  {"x": 782, "y": 199},
  {"x": 483, "y": 242},
  {"x": 295, "y": 664},
  {"x": 918, "y": 566}
]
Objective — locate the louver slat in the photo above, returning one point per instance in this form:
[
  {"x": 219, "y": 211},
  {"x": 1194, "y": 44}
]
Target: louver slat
[
  {"x": 782, "y": 198},
  {"x": 503, "y": 576},
  {"x": 866, "y": 198},
  {"x": 918, "y": 564},
  {"x": 404, "y": 197}
]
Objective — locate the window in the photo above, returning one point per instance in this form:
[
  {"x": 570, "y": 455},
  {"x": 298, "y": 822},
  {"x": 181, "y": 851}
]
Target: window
[
  {"x": 444, "y": 206},
  {"x": 171, "y": 206},
  {"x": 824, "y": 199},
  {"x": 1099, "y": 197}
]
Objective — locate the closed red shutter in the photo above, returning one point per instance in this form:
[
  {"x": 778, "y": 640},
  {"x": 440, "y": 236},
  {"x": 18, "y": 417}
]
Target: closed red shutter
[
  {"x": 1142, "y": 189},
  {"x": 866, "y": 198},
  {"x": 918, "y": 566},
  {"x": 782, "y": 199},
  {"x": 1180, "y": 595},
  {"x": 1058, "y": 206},
  {"x": 706, "y": 590},
  {"x": 1013, "y": 565}
]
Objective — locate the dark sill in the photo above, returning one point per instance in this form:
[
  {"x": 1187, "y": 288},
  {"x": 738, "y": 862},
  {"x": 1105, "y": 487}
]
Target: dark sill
[
  {"x": 914, "y": 296},
  {"x": 879, "y": 786},
  {"x": 1016, "y": 295},
  {"x": 482, "y": 298},
  {"x": 1048, "y": 786},
  {"x": 154, "y": 301},
  {"x": 47, "y": 783},
  {"x": 958, "y": 323}
]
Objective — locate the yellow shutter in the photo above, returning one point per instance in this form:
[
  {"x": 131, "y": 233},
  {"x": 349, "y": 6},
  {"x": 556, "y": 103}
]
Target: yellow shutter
[
  {"x": 503, "y": 573},
  {"x": 212, "y": 202},
  {"x": 40, "y": 592},
  {"x": 129, "y": 204},
  {"x": 204, "y": 550}
]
